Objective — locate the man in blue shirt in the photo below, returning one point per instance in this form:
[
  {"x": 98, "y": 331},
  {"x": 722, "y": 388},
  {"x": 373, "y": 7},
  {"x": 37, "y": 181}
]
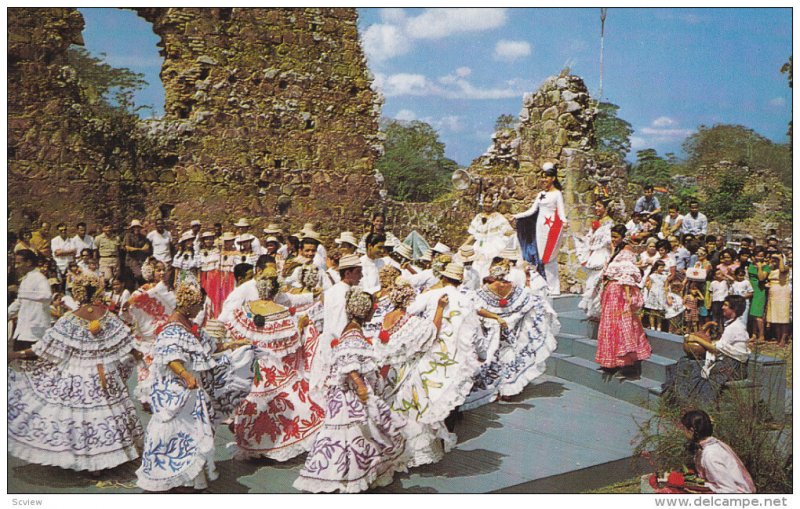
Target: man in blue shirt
[{"x": 647, "y": 204}]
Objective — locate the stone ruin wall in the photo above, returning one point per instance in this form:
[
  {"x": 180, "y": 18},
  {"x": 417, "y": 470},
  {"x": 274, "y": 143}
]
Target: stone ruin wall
[{"x": 269, "y": 115}]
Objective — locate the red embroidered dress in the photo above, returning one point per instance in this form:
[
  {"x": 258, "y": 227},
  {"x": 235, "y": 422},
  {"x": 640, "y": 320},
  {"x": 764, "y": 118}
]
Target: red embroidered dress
[{"x": 278, "y": 419}]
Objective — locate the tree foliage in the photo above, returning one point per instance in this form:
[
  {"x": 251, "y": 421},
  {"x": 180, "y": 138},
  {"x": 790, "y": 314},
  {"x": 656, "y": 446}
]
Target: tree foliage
[
  {"x": 102, "y": 83},
  {"x": 739, "y": 145},
  {"x": 650, "y": 168},
  {"x": 612, "y": 134},
  {"x": 413, "y": 163},
  {"x": 504, "y": 121}
]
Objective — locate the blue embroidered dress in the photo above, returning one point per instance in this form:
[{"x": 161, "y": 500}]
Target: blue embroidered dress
[
  {"x": 360, "y": 445},
  {"x": 179, "y": 442},
  {"x": 515, "y": 356},
  {"x": 60, "y": 412}
]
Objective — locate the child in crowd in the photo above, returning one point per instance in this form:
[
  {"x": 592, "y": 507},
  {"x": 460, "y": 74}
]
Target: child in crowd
[
  {"x": 674, "y": 310},
  {"x": 73, "y": 271},
  {"x": 655, "y": 295},
  {"x": 694, "y": 301},
  {"x": 117, "y": 296},
  {"x": 719, "y": 291},
  {"x": 743, "y": 288}
]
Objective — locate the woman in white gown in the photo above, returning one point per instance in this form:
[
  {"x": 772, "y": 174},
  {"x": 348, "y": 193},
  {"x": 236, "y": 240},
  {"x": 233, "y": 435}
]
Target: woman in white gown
[
  {"x": 69, "y": 404},
  {"x": 490, "y": 231},
  {"x": 594, "y": 251},
  {"x": 539, "y": 228}
]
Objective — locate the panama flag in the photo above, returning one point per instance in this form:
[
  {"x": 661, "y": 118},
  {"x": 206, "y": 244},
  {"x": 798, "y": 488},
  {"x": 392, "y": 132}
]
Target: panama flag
[{"x": 539, "y": 239}]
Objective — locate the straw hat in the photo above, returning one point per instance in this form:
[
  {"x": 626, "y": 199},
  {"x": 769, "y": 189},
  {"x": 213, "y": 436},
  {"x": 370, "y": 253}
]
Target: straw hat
[
  {"x": 509, "y": 254},
  {"x": 272, "y": 239},
  {"x": 391, "y": 242},
  {"x": 349, "y": 261},
  {"x": 135, "y": 222},
  {"x": 347, "y": 238},
  {"x": 405, "y": 251},
  {"x": 309, "y": 233},
  {"x": 441, "y": 248},
  {"x": 427, "y": 257},
  {"x": 453, "y": 271},
  {"x": 207, "y": 234},
  {"x": 195, "y": 222},
  {"x": 187, "y": 235},
  {"x": 272, "y": 228},
  {"x": 242, "y": 222},
  {"x": 245, "y": 238},
  {"x": 228, "y": 236},
  {"x": 467, "y": 253}
]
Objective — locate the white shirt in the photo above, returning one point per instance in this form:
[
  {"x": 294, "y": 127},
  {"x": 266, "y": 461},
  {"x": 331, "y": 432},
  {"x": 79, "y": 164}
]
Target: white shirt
[
  {"x": 242, "y": 294},
  {"x": 32, "y": 307},
  {"x": 370, "y": 279},
  {"x": 87, "y": 242},
  {"x": 719, "y": 290},
  {"x": 733, "y": 343},
  {"x": 472, "y": 280},
  {"x": 330, "y": 278},
  {"x": 694, "y": 226},
  {"x": 64, "y": 245},
  {"x": 741, "y": 288},
  {"x": 120, "y": 299},
  {"x": 161, "y": 243},
  {"x": 423, "y": 280},
  {"x": 333, "y": 312}
]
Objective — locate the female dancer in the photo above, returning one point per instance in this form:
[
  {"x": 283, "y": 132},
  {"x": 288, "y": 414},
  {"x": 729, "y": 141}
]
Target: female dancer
[
  {"x": 186, "y": 395},
  {"x": 360, "y": 446},
  {"x": 540, "y": 235},
  {"x": 490, "y": 231},
  {"x": 68, "y": 403},
  {"x": 278, "y": 419},
  {"x": 593, "y": 251},
  {"x": 210, "y": 274},
  {"x": 185, "y": 260},
  {"x": 520, "y": 335},
  {"x": 621, "y": 342}
]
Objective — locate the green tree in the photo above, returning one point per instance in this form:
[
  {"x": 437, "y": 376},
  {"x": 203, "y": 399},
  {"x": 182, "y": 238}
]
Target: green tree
[
  {"x": 650, "y": 168},
  {"x": 739, "y": 145},
  {"x": 102, "y": 83},
  {"x": 611, "y": 133},
  {"x": 504, "y": 121},
  {"x": 413, "y": 163}
]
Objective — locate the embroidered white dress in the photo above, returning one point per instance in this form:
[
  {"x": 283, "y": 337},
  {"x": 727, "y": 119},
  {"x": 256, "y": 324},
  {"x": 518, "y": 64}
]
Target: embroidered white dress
[
  {"x": 594, "y": 251},
  {"x": 59, "y": 411},
  {"x": 179, "y": 442},
  {"x": 360, "y": 446},
  {"x": 515, "y": 356},
  {"x": 492, "y": 233},
  {"x": 278, "y": 419}
]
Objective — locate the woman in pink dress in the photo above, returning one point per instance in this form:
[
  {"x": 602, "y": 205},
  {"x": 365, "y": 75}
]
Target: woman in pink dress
[
  {"x": 621, "y": 342},
  {"x": 210, "y": 274},
  {"x": 228, "y": 258}
]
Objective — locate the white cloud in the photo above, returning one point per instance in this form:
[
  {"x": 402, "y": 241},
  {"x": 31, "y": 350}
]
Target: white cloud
[
  {"x": 450, "y": 86},
  {"x": 637, "y": 143},
  {"x": 664, "y": 122},
  {"x": 440, "y": 23},
  {"x": 406, "y": 115},
  {"x": 463, "y": 72},
  {"x": 777, "y": 102},
  {"x": 451, "y": 123},
  {"x": 407, "y": 84},
  {"x": 509, "y": 51},
  {"x": 393, "y": 15},
  {"x": 382, "y": 42},
  {"x": 666, "y": 133}
]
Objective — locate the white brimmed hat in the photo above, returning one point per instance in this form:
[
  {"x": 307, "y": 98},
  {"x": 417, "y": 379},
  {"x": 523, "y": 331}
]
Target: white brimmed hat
[
  {"x": 272, "y": 228},
  {"x": 242, "y": 222},
  {"x": 405, "y": 251},
  {"x": 187, "y": 235},
  {"x": 135, "y": 222},
  {"x": 349, "y": 261},
  {"x": 228, "y": 236},
  {"x": 272, "y": 239},
  {"x": 441, "y": 248},
  {"x": 453, "y": 271},
  {"x": 391, "y": 242},
  {"x": 467, "y": 253},
  {"x": 509, "y": 254},
  {"x": 195, "y": 222},
  {"x": 206, "y": 235},
  {"x": 427, "y": 256},
  {"x": 309, "y": 233},
  {"x": 245, "y": 238},
  {"x": 347, "y": 238}
]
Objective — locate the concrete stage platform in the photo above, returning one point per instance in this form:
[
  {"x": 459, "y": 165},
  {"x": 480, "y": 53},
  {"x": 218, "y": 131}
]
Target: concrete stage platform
[{"x": 555, "y": 437}]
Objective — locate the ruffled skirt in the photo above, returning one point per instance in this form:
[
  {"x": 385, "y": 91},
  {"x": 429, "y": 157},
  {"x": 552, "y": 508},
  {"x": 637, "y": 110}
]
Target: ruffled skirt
[
  {"x": 621, "y": 340},
  {"x": 360, "y": 446},
  {"x": 61, "y": 415}
]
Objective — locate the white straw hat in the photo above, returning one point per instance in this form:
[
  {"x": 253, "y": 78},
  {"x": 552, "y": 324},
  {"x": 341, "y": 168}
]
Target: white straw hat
[
  {"x": 242, "y": 222},
  {"x": 405, "y": 251},
  {"x": 453, "y": 271},
  {"x": 349, "y": 261}
]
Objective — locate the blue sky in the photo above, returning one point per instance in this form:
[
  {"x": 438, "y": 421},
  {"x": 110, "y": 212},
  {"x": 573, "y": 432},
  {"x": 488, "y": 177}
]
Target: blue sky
[{"x": 669, "y": 70}]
